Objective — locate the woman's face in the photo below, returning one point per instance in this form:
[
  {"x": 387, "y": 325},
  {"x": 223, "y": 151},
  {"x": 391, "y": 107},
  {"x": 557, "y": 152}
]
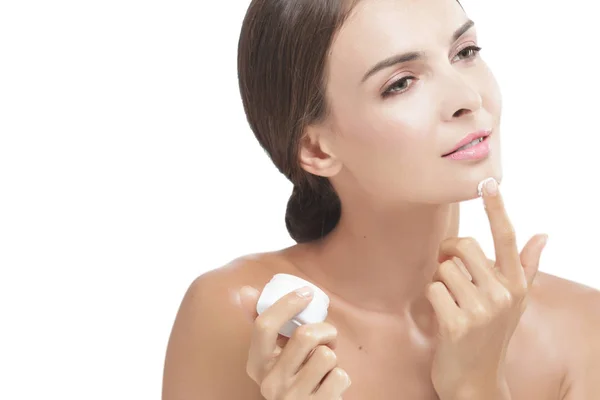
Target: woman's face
[{"x": 391, "y": 128}]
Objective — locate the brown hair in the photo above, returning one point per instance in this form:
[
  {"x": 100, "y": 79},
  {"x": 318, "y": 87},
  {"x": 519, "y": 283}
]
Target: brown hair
[{"x": 282, "y": 58}]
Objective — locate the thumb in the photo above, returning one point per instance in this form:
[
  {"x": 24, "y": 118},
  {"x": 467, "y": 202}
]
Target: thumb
[
  {"x": 248, "y": 299},
  {"x": 530, "y": 256}
]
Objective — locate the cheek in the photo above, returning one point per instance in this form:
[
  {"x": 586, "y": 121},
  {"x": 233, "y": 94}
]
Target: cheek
[
  {"x": 380, "y": 132},
  {"x": 491, "y": 95},
  {"x": 384, "y": 139},
  {"x": 390, "y": 124}
]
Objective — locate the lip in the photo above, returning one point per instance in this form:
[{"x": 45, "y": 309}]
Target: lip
[{"x": 484, "y": 133}]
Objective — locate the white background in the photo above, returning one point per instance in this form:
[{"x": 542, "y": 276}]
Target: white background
[{"x": 127, "y": 169}]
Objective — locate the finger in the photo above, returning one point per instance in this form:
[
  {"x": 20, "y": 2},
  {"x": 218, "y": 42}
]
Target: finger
[
  {"x": 268, "y": 324},
  {"x": 461, "y": 289},
  {"x": 462, "y": 267},
  {"x": 505, "y": 241},
  {"x": 442, "y": 302},
  {"x": 530, "y": 256},
  {"x": 307, "y": 380},
  {"x": 248, "y": 299},
  {"x": 305, "y": 339},
  {"x": 471, "y": 255},
  {"x": 334, "y": 385}
]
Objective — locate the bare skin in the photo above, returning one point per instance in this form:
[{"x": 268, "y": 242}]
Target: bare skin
[
  {"x": 553, "y": 354},
  {"x": 383, "y": 155}
]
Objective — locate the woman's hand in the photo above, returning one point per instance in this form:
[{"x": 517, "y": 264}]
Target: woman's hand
[
  {"x": 477, "y": 319},
  {"x": 303, "y": 367}
]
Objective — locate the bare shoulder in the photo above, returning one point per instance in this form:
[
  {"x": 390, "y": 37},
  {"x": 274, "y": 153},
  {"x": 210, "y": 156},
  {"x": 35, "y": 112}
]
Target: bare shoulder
[
  {"x": 572, "y": 311},
  {"x": 568, "y": 301},
  {"x": 207, "y": 350}
]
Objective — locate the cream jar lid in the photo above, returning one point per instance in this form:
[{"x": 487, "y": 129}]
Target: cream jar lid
[{"x": 282, "y": 284}]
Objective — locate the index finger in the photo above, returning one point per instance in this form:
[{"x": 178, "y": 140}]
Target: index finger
[
  {"x": 505, "y": 240},
  {"x": 268, "y": 324}
]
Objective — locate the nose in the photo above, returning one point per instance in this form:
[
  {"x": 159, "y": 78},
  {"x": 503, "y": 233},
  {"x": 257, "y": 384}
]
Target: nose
[{"x": 460, "y": 97}]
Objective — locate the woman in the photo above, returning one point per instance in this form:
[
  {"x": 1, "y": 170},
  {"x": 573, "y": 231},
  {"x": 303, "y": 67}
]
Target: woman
[{"x": 367, "y": 106}]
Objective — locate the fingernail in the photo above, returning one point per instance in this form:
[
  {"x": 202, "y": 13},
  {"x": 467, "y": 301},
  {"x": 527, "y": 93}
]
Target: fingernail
[
  {"x": 305, "y": 291},
  {"x": 245, "y": 290},
  {"x": 544, "y": 240},
  {"x": 490, "y": 185}
]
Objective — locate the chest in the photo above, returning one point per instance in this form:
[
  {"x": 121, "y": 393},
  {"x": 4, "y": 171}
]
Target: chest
[
  {"x": 386, "y": 370},
  {"x": 398, "y": 369}
]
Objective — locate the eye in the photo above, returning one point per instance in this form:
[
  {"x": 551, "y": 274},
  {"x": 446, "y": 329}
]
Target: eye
[
  {"x": 400, "y": 86},
  {"x": 468, "y": 53}
]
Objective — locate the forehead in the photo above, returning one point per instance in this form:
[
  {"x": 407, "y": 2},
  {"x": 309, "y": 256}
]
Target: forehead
[{"x": 377, "y": 29}]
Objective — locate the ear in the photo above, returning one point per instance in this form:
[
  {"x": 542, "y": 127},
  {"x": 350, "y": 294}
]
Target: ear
[{"x": 316, "y": 151}]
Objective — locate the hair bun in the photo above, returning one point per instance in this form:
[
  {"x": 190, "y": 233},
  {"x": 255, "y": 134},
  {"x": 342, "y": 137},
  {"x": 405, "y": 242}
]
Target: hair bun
[{"x": 312, "y": 212}]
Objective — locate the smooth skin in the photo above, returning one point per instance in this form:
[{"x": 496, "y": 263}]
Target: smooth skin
[
  {"x": 303, "y": 367},
  {"x": 476, "y": 314},
  {"x": 216, "y": 353},
  {"x": 477, "y": 317},
  {"x": 407, "y": 324}
]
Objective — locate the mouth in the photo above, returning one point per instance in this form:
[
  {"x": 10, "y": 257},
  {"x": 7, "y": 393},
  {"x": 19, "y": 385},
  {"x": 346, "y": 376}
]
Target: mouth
[{"x": 469, "y": 141}]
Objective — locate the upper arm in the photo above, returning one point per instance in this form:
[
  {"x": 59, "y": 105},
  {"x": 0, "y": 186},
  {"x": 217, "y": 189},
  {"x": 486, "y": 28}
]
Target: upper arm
[
  {"x": 582, "y": 381},
  {"x": 208, "y": 347}
]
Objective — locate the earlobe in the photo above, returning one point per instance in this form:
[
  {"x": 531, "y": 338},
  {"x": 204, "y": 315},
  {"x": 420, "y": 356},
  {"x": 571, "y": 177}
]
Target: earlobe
[{"x": 315, "y": 153}]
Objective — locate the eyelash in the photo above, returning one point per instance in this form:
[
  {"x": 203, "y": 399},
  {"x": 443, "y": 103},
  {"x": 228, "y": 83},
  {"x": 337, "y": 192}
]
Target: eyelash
[{"x": 389, "y": 91}]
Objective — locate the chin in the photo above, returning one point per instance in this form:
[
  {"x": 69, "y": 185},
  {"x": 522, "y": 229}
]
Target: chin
[
  {"x": 466, "y": 189},
  {"x": 472, "y": 189},
  {"x": 491, "y": 167},
  {"x": 451, "y": 185}
]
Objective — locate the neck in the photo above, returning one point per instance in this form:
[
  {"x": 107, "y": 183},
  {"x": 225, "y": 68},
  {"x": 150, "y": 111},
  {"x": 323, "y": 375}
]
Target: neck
[{"x": 382, "y": 262}]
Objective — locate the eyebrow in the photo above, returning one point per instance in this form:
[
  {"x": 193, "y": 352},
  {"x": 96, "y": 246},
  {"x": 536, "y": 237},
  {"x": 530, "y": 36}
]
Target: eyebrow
[{"x": 413, "y": 55}]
